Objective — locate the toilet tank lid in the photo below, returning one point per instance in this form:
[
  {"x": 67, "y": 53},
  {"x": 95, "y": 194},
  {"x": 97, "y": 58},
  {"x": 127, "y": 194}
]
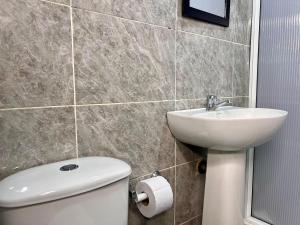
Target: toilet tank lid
[{"x": 59, "y": 180}]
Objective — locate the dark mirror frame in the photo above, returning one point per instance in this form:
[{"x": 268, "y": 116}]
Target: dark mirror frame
[{"x": 188, "y": 11}]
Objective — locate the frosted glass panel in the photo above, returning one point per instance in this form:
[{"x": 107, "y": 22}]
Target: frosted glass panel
[
  {"x": 216, "y": 7},
  {"x": 276, "y": 187}
]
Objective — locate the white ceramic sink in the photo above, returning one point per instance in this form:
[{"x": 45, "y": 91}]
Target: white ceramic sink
[
  {"x": 226, "y": 132},
  {"x": 228, "y": 128}
]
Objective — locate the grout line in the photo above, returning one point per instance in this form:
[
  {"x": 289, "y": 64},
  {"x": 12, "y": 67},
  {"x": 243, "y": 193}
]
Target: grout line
[
  {"x": 236, "y": 97},
  {"x": 192, "y": 99},
  {"x": 37, "y": 107},
  {"x": 175, "y": 192},
  {"x": 162, "y": 170},
  {"x": 197, "y": 99},
  {"x": 125, "y": 19},
  {"x": 206, "y": 36},
  {"x": 83, "y": 105},
  {"x": 149, "y": 174},
  {"x": 175, "y": 108},
  {"x": 185, "y": 163},
  {"x": 167, "y": 168},
  {"x": 55, "y": 3},
  {"x": 124, "y": 103},
  {"x": 73, "y": 60},
  {"x": 107, "y": 104},
  {"x": 190, "y": 220},
  {"x": 76, "y": 132},
  {"x": 175, "y": 60},
  {"x": 74, "y": 82}
]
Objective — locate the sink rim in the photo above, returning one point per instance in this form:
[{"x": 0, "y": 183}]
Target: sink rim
[
  {"x": 200, "y": 114},
  {"x": 226, "y": 133}
]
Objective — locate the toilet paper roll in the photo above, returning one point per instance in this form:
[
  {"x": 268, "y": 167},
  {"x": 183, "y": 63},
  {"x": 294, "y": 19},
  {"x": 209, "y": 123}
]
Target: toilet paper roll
[{"x": 160, "y": 196}]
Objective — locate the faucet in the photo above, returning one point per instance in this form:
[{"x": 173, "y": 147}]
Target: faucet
[{"x": 213, "y": 103}]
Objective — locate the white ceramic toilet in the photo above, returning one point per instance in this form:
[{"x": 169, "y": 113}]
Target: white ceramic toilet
[{"x": 86, "y": 191}]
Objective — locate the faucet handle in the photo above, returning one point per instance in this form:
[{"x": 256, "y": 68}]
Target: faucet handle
[
  {"x": 212, "y": 98},
  {"x": 211, "y": 101}
]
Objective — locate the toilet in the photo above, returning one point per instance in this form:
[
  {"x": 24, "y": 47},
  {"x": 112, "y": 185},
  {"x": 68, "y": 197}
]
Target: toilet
[{"x": 84, "y": 191}]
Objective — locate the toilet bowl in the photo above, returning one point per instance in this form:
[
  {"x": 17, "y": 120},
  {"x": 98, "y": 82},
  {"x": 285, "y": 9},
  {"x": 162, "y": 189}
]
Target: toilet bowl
[{"x": 85, "y": 191}]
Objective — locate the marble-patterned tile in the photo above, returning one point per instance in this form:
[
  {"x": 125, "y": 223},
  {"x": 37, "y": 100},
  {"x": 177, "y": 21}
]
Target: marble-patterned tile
[
  {"x": 65, "y": 2},
  {"x": 241, "y": 102},
  {"x": 166, "y": 218},
  {"x": 35, "y": 136},
  {"x": 188, "y": 181},
  {"x": 136, "y": 133},
  {"x": 241, "y": 71},
  {"x": 190, "y": 104},
  {"x": 194, "y": 221},
  {"x": 238, "y": 31},
  {"x": 204, "y": 66},
  {"x": 162, "y": 12},
  {"x": 35, "y": 54},
  {"x": 187, "y": 153},
  {"x": 184, "y": 153},
  {"x": 122, "y": 61}
]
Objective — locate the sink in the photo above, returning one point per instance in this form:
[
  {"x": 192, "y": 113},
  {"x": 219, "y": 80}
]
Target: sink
[
  {"x": 227, "y": 133},
  {"x": 228, "y": 128}
]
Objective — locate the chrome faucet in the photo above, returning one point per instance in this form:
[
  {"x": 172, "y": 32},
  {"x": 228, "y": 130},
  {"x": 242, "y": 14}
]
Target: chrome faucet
[{"x": 213, "y": 103}]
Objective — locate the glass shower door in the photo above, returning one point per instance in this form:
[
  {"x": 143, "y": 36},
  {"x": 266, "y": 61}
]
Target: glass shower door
[{"x": 276, "y": 179}]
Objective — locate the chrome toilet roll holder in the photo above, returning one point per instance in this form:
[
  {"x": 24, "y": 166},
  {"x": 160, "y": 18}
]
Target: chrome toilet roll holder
[{"x": 142, "y": 196}]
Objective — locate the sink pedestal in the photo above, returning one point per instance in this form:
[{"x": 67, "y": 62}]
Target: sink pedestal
[{"x": 224, "y": 188}]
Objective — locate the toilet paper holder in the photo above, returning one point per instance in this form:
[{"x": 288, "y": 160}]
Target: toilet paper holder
[{"x": 142, "y": 196}]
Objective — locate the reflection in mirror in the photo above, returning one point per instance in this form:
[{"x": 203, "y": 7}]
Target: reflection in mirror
[{"x": 216, "y": 7}]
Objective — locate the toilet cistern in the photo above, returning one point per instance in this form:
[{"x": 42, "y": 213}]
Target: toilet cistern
[{"x": 89, "y": 191}]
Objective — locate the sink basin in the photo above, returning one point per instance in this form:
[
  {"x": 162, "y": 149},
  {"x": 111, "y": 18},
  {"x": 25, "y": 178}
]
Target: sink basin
[{"x": 228, "y": 128}]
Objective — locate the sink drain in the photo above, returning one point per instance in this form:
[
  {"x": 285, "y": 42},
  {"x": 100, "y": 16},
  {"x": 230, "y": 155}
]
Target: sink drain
[{"x": 69, "y": 167}]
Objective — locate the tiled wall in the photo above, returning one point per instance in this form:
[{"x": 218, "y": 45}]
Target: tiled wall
[{"x": 96, "y": 77}]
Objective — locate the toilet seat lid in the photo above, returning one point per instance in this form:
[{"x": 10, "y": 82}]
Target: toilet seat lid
[{"x": 60, "y": 180}]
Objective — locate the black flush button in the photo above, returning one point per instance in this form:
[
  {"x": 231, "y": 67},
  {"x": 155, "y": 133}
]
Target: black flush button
[{"x": 69, "y": 167}]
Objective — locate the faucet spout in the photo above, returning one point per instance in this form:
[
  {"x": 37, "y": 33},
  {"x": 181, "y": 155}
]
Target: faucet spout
[
  {"x": 213, "y": 103},
  {"x": 223, "y": 103}
]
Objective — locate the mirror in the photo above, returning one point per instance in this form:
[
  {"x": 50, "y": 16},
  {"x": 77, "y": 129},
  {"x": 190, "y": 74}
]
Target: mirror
[{"x": 212, "y": 11}]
